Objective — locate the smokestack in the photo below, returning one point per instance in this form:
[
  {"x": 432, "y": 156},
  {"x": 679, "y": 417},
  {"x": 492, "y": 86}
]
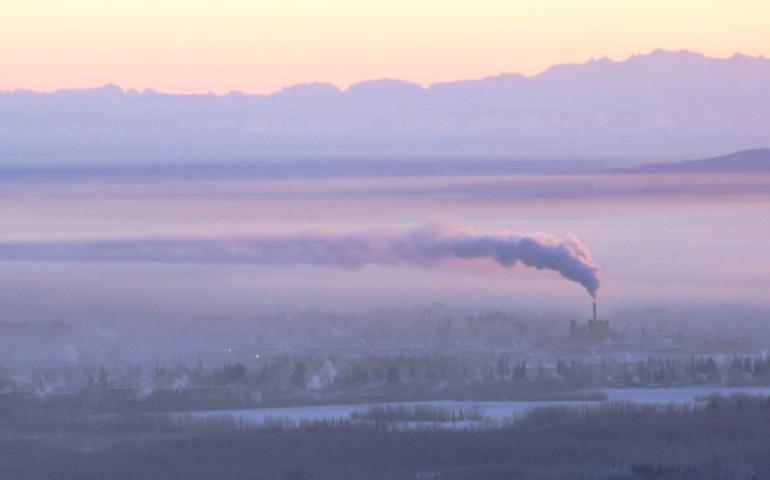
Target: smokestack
[{"x": 594, "y": 311}]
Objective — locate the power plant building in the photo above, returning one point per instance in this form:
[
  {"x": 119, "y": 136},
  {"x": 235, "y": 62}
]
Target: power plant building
[{"x": 595, "y": 329}]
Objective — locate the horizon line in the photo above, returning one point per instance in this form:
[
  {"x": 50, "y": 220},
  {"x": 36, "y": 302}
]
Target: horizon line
[{"x": 422, "y": 86}]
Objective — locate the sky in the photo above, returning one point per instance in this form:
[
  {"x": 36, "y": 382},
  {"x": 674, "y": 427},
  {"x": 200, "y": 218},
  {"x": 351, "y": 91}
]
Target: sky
[
  {"x": 196, "y": 46},
  {"x": 656, "y": 242}
]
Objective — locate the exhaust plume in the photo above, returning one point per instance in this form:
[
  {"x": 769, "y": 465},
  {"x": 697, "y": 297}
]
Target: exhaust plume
[{"x": 426, "y": 247}]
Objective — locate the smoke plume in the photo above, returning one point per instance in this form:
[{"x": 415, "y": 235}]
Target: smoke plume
[{"x": 426, "y": 247}]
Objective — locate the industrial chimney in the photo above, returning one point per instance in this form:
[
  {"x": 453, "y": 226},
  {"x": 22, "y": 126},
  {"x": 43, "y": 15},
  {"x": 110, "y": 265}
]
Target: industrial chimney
[{"x": 594, "y": 311}]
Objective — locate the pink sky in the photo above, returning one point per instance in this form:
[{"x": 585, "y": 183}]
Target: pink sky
[{"x": 261, "y": 46}]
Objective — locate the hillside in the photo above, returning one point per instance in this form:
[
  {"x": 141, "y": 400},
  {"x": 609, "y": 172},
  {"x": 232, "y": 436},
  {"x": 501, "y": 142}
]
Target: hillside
[{"x": 755, "y": 160}]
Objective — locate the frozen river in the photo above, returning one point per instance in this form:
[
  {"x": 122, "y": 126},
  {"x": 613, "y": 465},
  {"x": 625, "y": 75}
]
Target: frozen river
[{"x": 491, "y": 410}]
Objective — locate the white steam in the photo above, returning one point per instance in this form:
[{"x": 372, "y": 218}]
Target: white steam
[{"x": 426, "y": 247}]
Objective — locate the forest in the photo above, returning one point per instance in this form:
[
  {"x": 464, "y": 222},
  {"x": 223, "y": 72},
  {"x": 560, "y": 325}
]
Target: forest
[
  {"x": 719, "y": 438},
  {"x": 331, "y": 379}
]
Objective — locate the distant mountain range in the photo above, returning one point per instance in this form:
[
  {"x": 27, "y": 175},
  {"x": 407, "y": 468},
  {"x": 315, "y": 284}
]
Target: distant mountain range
[
  {"x": 659, "y": 106},
  {"x": 756, "y": 160}
]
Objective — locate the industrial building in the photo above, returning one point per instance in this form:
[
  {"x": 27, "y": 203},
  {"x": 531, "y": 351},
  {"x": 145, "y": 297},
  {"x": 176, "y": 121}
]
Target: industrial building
[{"x": 595, "y": 329}]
